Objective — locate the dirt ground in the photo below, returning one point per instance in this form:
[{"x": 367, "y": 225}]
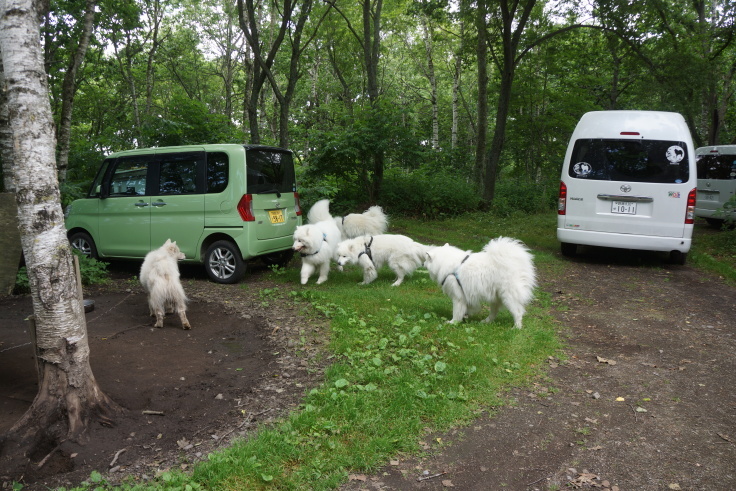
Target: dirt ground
[{"x": 643, "y": 399}]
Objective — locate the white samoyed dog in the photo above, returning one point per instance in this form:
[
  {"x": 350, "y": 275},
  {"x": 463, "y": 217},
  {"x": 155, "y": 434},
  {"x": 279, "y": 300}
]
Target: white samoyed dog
[
  {"x": 402, "y": 255},
  {"x": 373, "y": 221},
  {"x": 502, "y": 273},
  {"x": 317, "y": 241},
  {"x": 160, "y": 279}
]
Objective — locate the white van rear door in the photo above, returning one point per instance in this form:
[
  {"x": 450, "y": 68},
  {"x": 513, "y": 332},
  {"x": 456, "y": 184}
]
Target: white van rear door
[{"x": 626, "y": 208}]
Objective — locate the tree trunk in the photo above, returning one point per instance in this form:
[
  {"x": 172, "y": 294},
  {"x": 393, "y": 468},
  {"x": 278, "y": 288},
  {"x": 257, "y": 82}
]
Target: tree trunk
[
  {"x": 6, "y": 136},
  {"x": 69, "y": 88},
  {"x": 481, "y": 51},
  {"x": 69, "y": 397}
]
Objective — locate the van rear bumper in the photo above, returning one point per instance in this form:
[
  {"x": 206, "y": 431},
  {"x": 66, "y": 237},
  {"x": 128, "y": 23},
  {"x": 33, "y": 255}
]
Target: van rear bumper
[{"x": 627, "y": 241}]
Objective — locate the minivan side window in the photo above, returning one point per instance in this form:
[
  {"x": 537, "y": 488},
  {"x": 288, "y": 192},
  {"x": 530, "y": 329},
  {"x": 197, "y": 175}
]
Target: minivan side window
[
  {"x": 717, "y": 167},
  {"x": 217, "y": 171},
  {"x": 129, "y": 178},
  {"x": 656, "y": 161},
  {"x": 178, "y": 173}
]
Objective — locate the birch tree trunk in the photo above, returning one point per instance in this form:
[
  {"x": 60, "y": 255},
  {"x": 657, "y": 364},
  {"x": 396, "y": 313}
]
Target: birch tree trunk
[{"x": 68, "y": 397}]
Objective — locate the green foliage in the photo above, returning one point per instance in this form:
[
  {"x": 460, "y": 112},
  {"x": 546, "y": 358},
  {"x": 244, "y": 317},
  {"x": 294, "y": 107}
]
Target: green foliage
[
  {"x": 428, "y": 193},
  {"x": 524, "y": 197},
  {"x": 93, "y": 272}
]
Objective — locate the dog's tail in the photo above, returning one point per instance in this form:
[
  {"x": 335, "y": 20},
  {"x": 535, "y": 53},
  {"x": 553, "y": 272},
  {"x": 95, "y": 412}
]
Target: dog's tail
[
  {"x": 319, "y": 212},
  {"x": 377, "y": 213}
]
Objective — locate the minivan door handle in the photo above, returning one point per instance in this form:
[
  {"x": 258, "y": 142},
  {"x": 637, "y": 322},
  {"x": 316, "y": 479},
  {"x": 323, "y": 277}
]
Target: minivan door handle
[
  {"x": 623, "y": 197},
  {"x": 141, "y": 204},
  {"x": 159, "y": 203}
]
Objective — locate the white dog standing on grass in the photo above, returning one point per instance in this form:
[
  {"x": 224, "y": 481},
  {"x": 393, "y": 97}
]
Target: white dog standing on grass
[
  {"x": 373, "y": 221},
  {"x": 501, "y": 274},
  {"x": 160, "y": 279},
  {"x": 402, "y": 255},
  {"x": 317, "y": 241}
]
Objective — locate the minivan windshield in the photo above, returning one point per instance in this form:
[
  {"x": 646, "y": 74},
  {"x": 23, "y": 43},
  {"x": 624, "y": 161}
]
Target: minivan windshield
[
  {"x": 717, "y": 167},
  {"x": 270, "y": 171},
  {"x": 656, "y": 161}
]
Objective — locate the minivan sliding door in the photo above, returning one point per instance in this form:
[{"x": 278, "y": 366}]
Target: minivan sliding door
[{"x": 177, "y": 204}]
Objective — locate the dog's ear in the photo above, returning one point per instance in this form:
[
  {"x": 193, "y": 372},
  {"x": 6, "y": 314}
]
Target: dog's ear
[{"x": 168, "y": 241}]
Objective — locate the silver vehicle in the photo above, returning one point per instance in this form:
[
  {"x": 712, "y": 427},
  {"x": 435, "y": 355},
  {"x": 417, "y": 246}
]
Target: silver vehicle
[{"x": 716, "y": 184}]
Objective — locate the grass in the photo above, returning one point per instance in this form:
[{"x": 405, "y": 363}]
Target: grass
[{"x": 397, "y": 370}]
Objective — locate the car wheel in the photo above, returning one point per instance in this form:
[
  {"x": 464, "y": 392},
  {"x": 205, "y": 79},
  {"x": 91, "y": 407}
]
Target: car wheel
[
  {"x": 677, "y": 257},
  {"x": 280, "y": 259},
  {"x": 82, "y": 242},
  {"x": 223, "y": 262},
  {"x": 715, "y": 222},
  {"x": 568, "y": 250}
]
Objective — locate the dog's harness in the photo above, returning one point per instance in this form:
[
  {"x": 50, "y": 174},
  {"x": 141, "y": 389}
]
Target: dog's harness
[
  {"x": 324, "y": 239},
  {"x": 367, "y": 251},
  {"x": 455, "y": 274}
]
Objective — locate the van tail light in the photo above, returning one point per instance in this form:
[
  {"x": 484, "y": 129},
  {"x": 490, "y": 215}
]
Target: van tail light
[
  {"x": 297, "y": 205},
  {"x": 562, "y": 204},
  {"x": 690, "y": 214},
  {"x": 245, "y": 208}
]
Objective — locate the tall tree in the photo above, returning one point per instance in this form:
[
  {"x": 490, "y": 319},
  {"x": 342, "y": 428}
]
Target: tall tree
[
  {"x": 69, "y": 86},
  {"x": 68, "y": 397}
]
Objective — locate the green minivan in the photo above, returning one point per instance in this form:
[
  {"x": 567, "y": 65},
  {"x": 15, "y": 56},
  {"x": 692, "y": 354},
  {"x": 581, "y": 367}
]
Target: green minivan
[{"x": 223, "y": 204}]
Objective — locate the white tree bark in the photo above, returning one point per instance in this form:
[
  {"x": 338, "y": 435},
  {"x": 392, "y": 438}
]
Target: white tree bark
[{"x": 67, "y": 385}]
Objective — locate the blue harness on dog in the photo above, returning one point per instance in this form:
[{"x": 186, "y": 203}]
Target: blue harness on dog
[
  {"x": 455, "y": 274},
  {"x": 324, "y": 239}
]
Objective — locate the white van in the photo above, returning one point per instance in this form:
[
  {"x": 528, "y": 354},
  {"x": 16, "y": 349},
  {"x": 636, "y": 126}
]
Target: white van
[
  {"x": 716, "y": 183},
  {"x": 628, "y": 181}
]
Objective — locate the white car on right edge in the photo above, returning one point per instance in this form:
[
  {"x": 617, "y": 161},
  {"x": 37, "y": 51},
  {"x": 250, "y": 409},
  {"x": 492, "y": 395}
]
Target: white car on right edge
[
  {"x": 716, "y": 183},
  {"x": 628, "y": 181}
]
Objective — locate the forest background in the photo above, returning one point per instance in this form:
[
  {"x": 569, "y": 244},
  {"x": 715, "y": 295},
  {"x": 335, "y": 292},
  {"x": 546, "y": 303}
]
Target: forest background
[{"x": 428, "y": 107}]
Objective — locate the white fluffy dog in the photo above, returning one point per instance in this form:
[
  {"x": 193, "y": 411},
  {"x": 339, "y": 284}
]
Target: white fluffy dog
[
  {"x": 402, "y": 255},
  {"x": 503, "y": 273},
  {"x": 160, "y": 279},
  {"x": 373, "y": 221},
  {"x": 317, "y": 241}
]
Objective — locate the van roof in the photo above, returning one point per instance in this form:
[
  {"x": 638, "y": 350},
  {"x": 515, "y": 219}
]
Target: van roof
[
  {"x": 645, "y": 125},
  {"x": 717, "y": 150}
]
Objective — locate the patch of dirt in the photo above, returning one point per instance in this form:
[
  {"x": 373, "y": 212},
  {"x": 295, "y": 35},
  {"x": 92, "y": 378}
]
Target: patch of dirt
[
  {"x": 643, "y": 398},
  {"x": 248, "y": 359}
]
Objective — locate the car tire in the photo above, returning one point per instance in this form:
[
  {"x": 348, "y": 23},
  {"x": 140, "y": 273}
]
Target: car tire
[
  {"x": 568, "y": 250},
  {"x": 280, "y": 259},
  {"x": 82, "y": 242},
  {"x": 223, "y": 262},
  {"x": 677, "y": 257},
  {"x": 715, "y": 222}
]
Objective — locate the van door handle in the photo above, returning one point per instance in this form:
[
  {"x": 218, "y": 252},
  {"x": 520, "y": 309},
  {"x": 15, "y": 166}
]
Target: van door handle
[
  {"x": 623, "y": 197},
  {"x": 159, "y": 203},
  {"x": 141, "y": 204}
]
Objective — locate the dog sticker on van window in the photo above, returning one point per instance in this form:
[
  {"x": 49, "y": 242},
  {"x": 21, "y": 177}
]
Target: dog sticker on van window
[
  {"x": 582, "y": 169},
  {"x": 675, "y": 154}
]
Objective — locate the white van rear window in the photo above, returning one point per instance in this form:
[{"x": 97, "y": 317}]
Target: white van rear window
[{"x": 657, "y": 161}]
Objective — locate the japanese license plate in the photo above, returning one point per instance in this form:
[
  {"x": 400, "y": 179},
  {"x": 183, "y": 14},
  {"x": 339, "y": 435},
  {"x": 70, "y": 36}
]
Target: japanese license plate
[
  {"x": 276, "y": 216},
  {"x": 624, "y": 207},
  {"x": 708, "y": 196}
]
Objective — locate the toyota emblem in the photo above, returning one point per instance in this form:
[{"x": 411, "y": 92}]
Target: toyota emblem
[{"x": 625, "y": 188}]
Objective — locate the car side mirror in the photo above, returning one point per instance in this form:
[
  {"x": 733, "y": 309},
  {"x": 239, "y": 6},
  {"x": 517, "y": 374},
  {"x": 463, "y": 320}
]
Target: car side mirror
[{"x": 103, "y": 191}]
